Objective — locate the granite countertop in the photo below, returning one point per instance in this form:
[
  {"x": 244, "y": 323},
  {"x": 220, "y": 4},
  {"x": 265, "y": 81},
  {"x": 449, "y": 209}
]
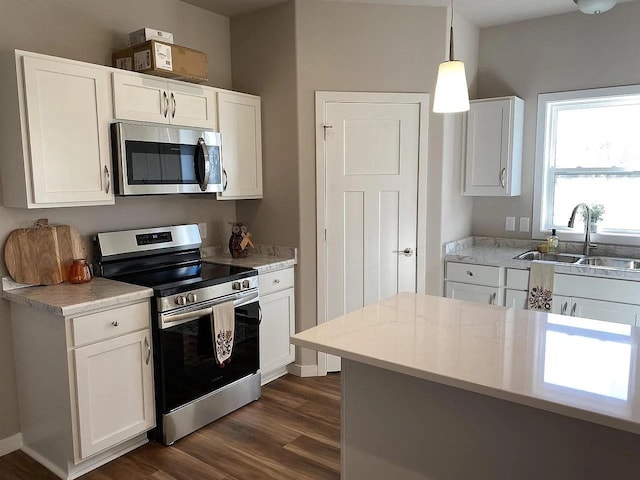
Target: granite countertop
[
  {"x": 264, "y": 258},
  {"x": 506, "y": 353},
  {"x": 501, "y": 252},
  {"x": 66, "y": 299}
]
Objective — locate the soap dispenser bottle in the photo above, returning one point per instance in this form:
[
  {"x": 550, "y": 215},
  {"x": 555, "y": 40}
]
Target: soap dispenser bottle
[{"x": 553, "y": 242}]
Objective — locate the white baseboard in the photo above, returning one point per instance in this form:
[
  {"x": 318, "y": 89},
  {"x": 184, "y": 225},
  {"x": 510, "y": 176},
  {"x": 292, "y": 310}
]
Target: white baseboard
[
  {"x": 57, "y": 471},
  {"x": 10, "y": 444},
  {"x": 302, "y": 370}
]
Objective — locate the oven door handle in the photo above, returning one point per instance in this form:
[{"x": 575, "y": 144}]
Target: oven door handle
[{"x": 184, "y": 317}]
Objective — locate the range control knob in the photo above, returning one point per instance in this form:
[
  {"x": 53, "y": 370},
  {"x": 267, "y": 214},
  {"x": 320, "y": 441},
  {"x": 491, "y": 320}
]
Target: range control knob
[
  {"x": 191, "y": 298},
  {"x": 180, "y": 300},
  {"x": 236, "y": 286},
  {"x": 245, "y": 284}
]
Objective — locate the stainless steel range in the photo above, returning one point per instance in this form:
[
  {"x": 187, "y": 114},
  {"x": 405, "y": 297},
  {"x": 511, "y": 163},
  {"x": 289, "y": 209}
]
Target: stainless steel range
[{"x": 192, "y": 389}]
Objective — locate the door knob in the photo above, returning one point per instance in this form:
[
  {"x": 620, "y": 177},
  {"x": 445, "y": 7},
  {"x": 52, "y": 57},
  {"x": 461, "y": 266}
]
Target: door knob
[{"x": 407, "y": 252}]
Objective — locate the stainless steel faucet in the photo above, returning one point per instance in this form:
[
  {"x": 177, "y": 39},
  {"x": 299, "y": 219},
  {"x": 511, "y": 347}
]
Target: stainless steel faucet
[{"x": 587, "y": 227}]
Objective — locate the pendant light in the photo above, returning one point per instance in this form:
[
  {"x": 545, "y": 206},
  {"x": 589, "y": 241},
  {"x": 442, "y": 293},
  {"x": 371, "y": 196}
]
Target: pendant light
[
  {"x": 595, "y": 6},
  {"x": 452, "y": 93}
]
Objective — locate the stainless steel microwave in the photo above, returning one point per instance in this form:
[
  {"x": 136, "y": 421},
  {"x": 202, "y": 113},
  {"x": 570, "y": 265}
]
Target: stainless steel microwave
[{"x": 155, "y": 159}]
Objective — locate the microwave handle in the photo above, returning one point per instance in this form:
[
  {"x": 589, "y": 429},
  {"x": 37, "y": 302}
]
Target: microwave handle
[{"x": 202, "y": 155}]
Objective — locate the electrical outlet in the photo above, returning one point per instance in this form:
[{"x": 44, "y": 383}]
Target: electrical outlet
[
  {"x": 203, "y": 230},
  {"x": 524, "y": 224},
  {"x": 510, "y": 224}
]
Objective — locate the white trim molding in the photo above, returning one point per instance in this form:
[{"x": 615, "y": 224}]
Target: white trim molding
[
  {"x": 10, "y": 444},
  {"x": 303, "y": 370}
]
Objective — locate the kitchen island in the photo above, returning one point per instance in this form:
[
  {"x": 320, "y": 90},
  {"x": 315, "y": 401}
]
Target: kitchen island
[{"x": 435, "y": 388}]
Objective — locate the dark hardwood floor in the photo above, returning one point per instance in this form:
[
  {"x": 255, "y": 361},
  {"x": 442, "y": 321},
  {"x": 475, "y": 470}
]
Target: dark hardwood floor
[{"x": 292, "y": 432}]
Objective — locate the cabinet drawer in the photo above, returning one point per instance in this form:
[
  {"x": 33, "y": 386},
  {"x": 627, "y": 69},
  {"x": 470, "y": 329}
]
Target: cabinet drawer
[
  {"x": 275, "y": 281},
  {"x": 517, "y": 279},
  {"x": 474, "y": 274},
  {"x": 110, "y": 323}
]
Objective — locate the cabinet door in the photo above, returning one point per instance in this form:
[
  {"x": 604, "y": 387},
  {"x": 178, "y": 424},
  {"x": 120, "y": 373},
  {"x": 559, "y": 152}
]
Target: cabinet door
[
  {"x": 240, "y": 126},
  {"x": 140, "y": 98},
  {"x": 607, "y": 311},
  {"x": 516, "y": 299},
  {"x": 494, "y": 147},
  {"x": 561, "y": 304},
  {"x": 193, "y": 106},
  {"x": 474, "y": 293},
  {"x": 68, "y": 115},
  {"x": 278, "y": 324},
  {"x": 114, "y": 386}
]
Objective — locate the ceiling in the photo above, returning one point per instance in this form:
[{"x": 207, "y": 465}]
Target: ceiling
[{"x": 484, "y": 13}]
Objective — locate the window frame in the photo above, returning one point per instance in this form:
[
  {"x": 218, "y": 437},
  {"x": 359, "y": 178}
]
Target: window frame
[{"x": 543, "y": 174}]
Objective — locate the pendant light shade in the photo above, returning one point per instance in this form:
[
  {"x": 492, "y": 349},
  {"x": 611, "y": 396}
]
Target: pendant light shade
[
  {"x": 595, "y": 6},
  {"x": 452, "y": 93}
]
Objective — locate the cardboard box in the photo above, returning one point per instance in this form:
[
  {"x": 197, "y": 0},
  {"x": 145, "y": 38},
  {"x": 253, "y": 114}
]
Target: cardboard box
[
  {"x": 164, "y": 60},
  {"x": 146, "y": 34}
]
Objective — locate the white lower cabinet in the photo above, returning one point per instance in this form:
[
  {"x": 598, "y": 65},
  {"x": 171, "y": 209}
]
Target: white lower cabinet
[
  {"x": 515, "y": 299},
  {"x": 474, "y": 293},
  {"x": 277, "y": 302},
  {"x": 114, "y": 385},
  {"x": 597, "y": 310},
  {"x": 85, "y": 384}
]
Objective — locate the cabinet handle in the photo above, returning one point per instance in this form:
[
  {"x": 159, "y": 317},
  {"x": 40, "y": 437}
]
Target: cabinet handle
[
  {"x": 115, "y": 324},
  {"x": 166, "y": 103},
  {"x": 492, "y": 298},
  {"x": 259, "y": 314},
  {"x": 276, "y": 281},
  {"x": 502, "y": 173},
  {"x": 106, "y": 172},
  {"x": 470, "y": 273},
  {"x": 224, "y": 172},
  {"x": 148, "y": 347},
  {"x": 563, "y": 308},
  {"x": 573, "y": 310},
  {"x": 173, "y": 100}
]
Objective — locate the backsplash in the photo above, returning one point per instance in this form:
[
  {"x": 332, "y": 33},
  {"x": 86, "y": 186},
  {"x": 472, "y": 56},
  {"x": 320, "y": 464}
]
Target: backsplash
[{"x": 260, "y": 249}]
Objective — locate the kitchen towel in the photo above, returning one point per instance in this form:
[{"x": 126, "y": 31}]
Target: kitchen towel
[
  {"x": 540, "y": 295},
  {"x": 223, "y": 329}
]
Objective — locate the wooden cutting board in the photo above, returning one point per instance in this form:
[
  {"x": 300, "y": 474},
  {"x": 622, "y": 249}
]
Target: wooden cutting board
[{"x": 43, "y": 254}]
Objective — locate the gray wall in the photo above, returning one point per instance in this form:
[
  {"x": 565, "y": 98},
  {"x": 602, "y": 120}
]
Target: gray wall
[
  {"x": 564, "y": 52},
  {"x": 88, "y": 30},
  {"x": 354, "y": 47}
]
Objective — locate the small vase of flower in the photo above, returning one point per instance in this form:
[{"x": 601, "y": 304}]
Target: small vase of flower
[{"x": 597, "y": 213}]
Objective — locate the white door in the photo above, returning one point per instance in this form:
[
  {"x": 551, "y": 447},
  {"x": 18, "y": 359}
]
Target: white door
[
  {"x": 140, "y": 98},
  {"x": 240, "y": 125},
  {"x": 371, "y": 157},
  {"x": 114, "y": 382},
  {"x": 487, "y": 147},
  {"x": 606, "y": 311},
  {"x": 473, "y": 293},
  {"x": 193, "y": 106},
  {"x": 68, "y": 115},
  {"x": 276, "y": 351}
]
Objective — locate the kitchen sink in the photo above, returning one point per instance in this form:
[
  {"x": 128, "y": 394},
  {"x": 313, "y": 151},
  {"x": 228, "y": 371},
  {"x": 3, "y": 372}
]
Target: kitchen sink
[
  {"x": 610, "y": 262},
  {"x": 550, "y": 257}
]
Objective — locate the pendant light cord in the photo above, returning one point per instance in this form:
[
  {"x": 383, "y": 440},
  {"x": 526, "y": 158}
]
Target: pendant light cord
[{"x": 451, "y": 36}]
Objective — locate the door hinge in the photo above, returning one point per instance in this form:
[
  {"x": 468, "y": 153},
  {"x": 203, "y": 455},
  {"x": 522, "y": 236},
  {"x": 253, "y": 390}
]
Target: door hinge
[{"x": 325, "y": 127}]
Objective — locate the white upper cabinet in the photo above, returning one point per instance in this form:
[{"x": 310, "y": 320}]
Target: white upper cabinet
[
  {"x": 241, "y": 129},
  {"x": 55, "y": 135},
  {"x": 493, "y": 162},
  {"x": 144, "y": 98}
]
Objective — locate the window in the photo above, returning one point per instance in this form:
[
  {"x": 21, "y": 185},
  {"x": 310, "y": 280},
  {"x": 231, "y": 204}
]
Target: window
[{"x": 588, "y": 151}]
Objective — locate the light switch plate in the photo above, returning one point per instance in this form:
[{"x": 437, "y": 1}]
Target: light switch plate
[
  {"x": 203, "y": 230},
  {"x": 510, "y": 224},
  {"x": 524, "y": 224}
]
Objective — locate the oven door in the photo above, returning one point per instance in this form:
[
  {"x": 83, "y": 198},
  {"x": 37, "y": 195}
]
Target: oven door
[
  {"x": 161, "y": 160},
  {"x": 187, "y": 368}
]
